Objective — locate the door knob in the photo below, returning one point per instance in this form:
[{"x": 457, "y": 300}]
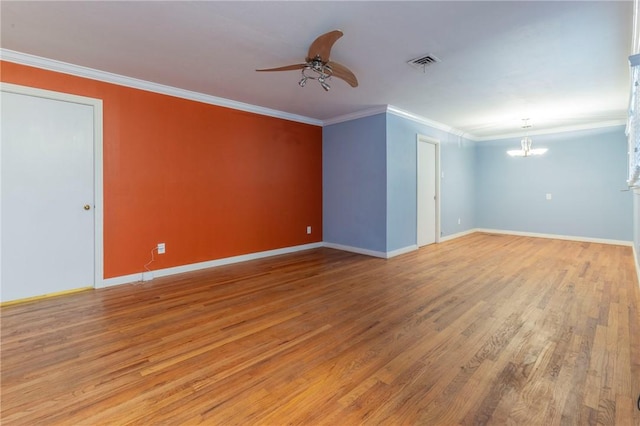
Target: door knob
[{"x": 87, "y": 207}]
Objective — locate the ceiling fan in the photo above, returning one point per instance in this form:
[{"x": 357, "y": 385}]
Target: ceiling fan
[{"x": 317, "y": 65}]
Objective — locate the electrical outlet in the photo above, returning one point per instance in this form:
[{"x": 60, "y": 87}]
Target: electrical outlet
[
  {"x": 459, "y": 221},
  {"x": 548, "y": 196},
  {"x": 308, "y": 229},
  {"x": 161, "y": 248}
]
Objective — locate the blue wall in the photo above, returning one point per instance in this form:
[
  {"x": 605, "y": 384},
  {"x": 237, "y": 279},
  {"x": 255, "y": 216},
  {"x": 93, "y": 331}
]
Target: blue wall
[
  {"x": 584, "y": 171},
  {"x": 369, "y": 182},
  {"x": 354, "y": 182},
  {"x": 456, "y": 188}
]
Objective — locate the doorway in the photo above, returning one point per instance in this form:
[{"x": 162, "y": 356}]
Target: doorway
[
  {"x": 428, "y": 191},
  {"x": 51, "y": 186}
]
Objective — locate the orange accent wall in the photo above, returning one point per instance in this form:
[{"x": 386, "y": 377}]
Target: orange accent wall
[{"x": 210, "y": 182}]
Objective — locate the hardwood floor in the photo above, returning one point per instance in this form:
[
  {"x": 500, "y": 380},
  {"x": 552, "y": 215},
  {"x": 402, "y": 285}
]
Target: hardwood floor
[{"x": 484, "y": 329}]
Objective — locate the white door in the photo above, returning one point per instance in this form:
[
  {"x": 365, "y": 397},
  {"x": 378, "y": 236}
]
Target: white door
[
  {"x": 48, "y": 200},
  {"x": 427, "y": 186}
]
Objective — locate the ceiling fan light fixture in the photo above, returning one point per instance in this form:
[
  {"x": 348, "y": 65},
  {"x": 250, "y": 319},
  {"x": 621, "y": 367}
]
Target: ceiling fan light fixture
[
  {"x": 317, "y": 65},
  {"x": 322, "y": 74}
]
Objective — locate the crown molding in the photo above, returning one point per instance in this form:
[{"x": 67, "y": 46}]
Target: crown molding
[
  {"x": 426, "y": 121},
  {"x": 107, "y": 77},
  {"x": 390, "y": 109},
  {"x": 457, "y": 132},
  {"x": 554, "y": 130},
  {"x": 355, "y": 115}
]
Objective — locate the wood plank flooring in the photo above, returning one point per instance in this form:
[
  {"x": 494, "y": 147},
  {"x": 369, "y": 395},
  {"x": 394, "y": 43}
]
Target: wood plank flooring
[{"x": 484, "y": 329}]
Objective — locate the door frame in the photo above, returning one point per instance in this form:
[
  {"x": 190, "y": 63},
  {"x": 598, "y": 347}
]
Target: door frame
[
  {"x": 98, "y": 207},
  {"x": 436, "y": 142}
]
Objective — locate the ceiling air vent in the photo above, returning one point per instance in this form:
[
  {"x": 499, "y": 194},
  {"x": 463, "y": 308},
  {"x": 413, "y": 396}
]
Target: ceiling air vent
[{"x": 421, "y": 63}]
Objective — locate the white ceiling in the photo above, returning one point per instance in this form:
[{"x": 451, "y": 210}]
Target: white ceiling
[{"x": 560, "y": 63}]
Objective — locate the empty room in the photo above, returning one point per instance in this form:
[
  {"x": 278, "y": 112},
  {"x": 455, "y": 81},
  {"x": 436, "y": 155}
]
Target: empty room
[{"x": 320, "y": 212}]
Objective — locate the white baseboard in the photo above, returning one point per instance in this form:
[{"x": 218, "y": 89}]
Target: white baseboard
[
  {"x": 123, "y": 279},
  {"x": 358, "y": 250},
  {"x": 402, "y": 250},
  {"x": 126, "y": 279},
  {"x": 380, "y": 254},
  {"x": 457, "y": 235},
  {"x": 572, "y": 238},
  {"x": 637, "y": 261},
  {"x": 556, "y": 237}
]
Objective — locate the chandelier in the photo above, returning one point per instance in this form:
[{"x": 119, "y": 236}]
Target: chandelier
[{"x": 525, "y": 144}]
